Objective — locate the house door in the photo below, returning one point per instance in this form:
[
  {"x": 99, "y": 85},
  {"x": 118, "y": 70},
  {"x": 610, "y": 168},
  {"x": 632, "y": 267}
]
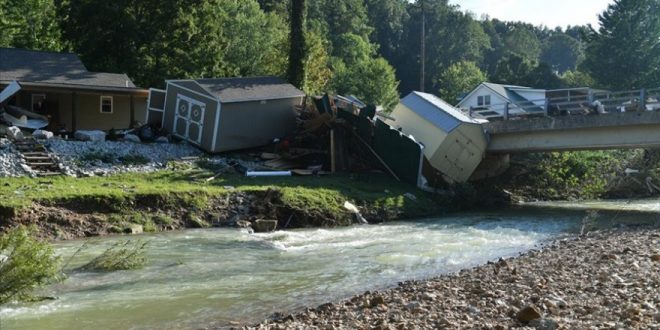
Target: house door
[{"x": 189, "y": 119}]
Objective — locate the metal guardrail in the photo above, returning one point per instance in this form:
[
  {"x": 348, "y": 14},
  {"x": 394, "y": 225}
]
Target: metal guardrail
[{"x": 582, "y": 104}]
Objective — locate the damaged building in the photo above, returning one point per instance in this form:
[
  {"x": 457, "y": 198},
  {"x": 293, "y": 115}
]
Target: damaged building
[
  {"x": 226, "y": 114},
  {"x": 59, "y": 87}
]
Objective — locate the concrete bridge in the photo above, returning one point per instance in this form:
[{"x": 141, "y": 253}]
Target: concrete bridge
[{"x": 583, "y": 132}]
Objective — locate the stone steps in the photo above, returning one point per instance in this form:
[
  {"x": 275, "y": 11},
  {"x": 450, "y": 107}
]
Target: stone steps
[{"x": 37, "y": 158}]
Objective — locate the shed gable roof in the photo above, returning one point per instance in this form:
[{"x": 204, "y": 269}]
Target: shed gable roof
[
  {"x": 54, "y": 68},
  {"x": 440, "y": 113},
  {"x": 230, "y": 90}
]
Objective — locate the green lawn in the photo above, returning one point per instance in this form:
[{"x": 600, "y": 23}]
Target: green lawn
[{"x": 326, "y": 193}]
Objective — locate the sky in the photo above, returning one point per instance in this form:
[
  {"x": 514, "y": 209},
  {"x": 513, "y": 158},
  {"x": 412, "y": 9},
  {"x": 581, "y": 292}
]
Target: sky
[{"x": 551, "y": 13}]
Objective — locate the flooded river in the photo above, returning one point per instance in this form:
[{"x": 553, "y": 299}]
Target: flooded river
[{"x": 215, "y": 277}]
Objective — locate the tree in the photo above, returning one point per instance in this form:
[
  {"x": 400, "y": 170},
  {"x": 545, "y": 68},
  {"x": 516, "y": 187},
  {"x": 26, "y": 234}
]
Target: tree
[
  {"x": 296, "y": 68},
  {"x": 458, "y": 79},
  {"x": 338, "y": 17},
  {"x": 359, "y": 73},
  {"x": 202, "y": 39},
  {"x": 516, "y": 70},
  {"x": 451, "y": 36},
  {"x": 317, "y": 61},
  {"x": 625, "y": 52},
  {"x": 572, "y": 79},
  {"x": 512, "y": 69},
  {"x": 388, "y": 18},
  {"x": 523, "y": 42},
  {"x": 25, "y": 264},
  {"x": 30, "y": 24},
  {"x": 562, "y": 52}
]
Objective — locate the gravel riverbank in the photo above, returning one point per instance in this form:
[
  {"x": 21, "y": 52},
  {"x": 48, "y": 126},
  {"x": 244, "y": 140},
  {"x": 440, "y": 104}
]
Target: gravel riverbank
[{"x": 607, "y": 280}]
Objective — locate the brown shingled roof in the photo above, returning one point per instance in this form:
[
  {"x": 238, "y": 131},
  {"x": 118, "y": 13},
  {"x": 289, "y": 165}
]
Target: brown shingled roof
[
  {"x": 249, "y": 89},
  {"x": 54, "y": 68}
]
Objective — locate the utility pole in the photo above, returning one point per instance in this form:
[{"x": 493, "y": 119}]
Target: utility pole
[{"x": 422, "y": 57}]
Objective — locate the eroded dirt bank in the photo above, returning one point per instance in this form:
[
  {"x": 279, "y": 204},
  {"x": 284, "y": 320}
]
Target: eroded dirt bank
[
  {"x": 87, "y": 217},
  {"x": 606, "y": 280}
]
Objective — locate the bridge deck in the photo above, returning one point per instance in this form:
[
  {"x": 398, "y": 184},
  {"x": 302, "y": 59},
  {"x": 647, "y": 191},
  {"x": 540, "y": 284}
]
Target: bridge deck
[{"x": 604, "y": 131}]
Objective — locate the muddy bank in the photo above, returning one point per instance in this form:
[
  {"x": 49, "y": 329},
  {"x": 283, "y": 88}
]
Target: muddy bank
[
  {"x": 96, "y": 216},
  {"x": 606, "y": 280}
]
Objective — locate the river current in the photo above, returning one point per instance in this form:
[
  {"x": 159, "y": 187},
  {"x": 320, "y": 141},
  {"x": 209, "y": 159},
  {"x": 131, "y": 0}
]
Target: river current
[{"x": 218, "y": 277}]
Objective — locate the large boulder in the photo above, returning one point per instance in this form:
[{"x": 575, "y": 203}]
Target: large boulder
[
  {"x": 94, "y": 136},
  {"x": 15, "y": 133},
  {"x": 42, "y": 134},
  {"x": 264, "y": 226}
]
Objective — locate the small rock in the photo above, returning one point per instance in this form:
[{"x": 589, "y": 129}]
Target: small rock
[
  {"x": 655, "y": 257},
  {"x": 242, "y": 224},
  {"x": 162, "y": 139},
  {"x": 544, "y": 324},
  {"x": 15, "y": 133},
  {"x": 134, "y": 229},
  {"x": 528, "y": 314},
  {"x": 264, "y": 226},
  {"x": 42, "y": 134},
  {"x": 377, "y": 300},
  {"x": 94, "y": 136},
  {"x": 132, "y": 138}
]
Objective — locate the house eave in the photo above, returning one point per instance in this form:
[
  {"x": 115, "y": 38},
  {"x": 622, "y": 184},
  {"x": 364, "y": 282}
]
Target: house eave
[{"x": 89, "y": 88}]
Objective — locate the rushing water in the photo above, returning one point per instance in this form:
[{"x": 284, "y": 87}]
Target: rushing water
[{"x": 201, "y": 277}]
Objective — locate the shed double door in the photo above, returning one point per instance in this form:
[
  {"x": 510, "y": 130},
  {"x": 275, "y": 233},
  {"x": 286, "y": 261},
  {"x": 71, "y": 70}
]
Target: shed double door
[{"x": 189, "y": 119}]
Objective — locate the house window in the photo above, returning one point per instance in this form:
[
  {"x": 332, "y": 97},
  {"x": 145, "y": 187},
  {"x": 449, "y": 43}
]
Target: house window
[
  {"x": 483, "y": 100},
  {"x": 106, "y": 104}
]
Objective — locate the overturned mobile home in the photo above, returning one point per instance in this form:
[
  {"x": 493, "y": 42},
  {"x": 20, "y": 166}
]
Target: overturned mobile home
[
  {"x": 454, "y": 144},
  {"x": 226, "y": 114}
]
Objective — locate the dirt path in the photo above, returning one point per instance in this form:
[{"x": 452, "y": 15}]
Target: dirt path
[{"x": 607, "y": 280}]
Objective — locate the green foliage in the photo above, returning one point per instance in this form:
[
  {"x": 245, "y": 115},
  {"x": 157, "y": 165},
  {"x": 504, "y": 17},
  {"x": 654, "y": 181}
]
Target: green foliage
[
  {"x": 625, "y": 53},
  {"x": 458, "y": 79},
  {"x": 134, "y": 159},
  {"x": 126, "y": 255},
  {"x": 583, "y": 175},
  {"x": 516, "y": 70},
  {"x": 339, "y": 17},
  {"x": 357, "y": 73},
  {"x": 25, "y": 264},
  {"x": 30, "y": 24},
  {"x": 98, "y": 156},
  {"x": 562, "y": 53},
  {"x": 200, "y": 39},
  {"x": 317, "y": 71},
  {"x": 577, "y": 79},
  {"x": 524, "y": 43},
  {"x": 297, "y": 47}
]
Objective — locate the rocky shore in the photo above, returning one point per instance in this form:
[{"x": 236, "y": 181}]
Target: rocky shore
[{"x": 604, "y": 280}]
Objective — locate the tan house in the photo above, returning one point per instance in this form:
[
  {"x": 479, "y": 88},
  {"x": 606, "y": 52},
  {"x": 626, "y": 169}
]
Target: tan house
[{"x": 59, "y": 86}]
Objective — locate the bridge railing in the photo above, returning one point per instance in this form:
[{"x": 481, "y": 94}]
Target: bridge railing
[{"x": 588, "y": 102}]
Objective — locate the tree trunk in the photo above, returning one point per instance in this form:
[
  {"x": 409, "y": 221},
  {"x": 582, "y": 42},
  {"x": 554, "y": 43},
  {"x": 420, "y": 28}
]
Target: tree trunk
[{"x": 296, "y": 69}]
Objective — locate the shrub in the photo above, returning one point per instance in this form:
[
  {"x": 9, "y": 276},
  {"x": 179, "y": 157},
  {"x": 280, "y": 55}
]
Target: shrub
[
  {"x": 25, "y": 264},
  {"x": 120, "y": 256},
  {"x": 93, "y": 156},
  {"x": 133, "y": 159}
]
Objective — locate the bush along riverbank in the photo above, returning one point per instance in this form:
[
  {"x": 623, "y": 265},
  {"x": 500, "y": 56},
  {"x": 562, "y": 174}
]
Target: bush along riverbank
[
  {"x": 579, "y": 175},
  {"x": 604, "y": 280},
  {"x": 66, "y": 208}
]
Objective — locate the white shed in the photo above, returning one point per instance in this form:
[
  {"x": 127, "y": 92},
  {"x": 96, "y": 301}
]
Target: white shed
[{"x": 454, "y": 144}]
